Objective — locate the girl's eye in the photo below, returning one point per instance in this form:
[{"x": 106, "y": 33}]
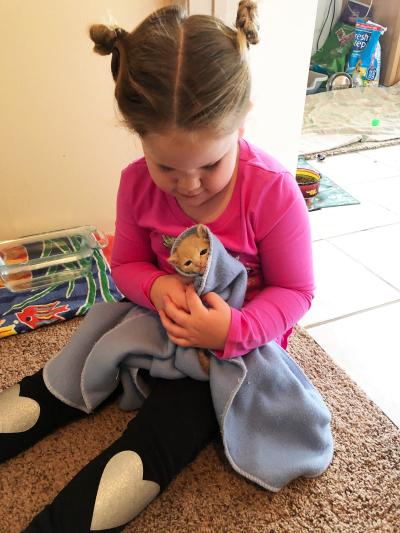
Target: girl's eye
[
  {"x": 164, "y": 169},
  {"x": 188, "y": 263},
  {"x": 203, "y": 252},
  {"x": 213, "y": 165}
]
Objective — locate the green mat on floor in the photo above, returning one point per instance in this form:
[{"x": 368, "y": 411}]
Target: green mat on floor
[{"x": 330, "y": 194}]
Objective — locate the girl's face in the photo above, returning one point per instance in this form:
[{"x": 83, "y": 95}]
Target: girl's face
[{"x": 191, "y": 166}]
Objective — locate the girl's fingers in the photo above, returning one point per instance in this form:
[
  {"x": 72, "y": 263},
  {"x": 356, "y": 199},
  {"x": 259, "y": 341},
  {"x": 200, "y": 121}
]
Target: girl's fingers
[
  {"x": 175, "y": 314},
  {"x": 213, "y": 300},
  {"x": 193, "y": 300},
  {"x": 171, "y": 327},
  {"x": 173, "y": 331},
  {"x": 179, "y": 341}
]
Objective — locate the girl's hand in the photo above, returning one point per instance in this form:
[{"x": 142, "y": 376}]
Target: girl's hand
[
  {"x": 171, "y": 286},
  {"x": 200, "y": 327}
]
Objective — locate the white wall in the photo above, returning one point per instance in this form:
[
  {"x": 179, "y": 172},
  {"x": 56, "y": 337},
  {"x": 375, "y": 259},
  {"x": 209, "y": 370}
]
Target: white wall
[
  {"x": 62, "y": 147},
  {"x": 280, "y": 70},
  {"x": 200, "y": 7}
]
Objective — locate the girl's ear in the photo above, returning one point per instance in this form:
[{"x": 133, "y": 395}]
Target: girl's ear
[{"x": 202, "y": 231}]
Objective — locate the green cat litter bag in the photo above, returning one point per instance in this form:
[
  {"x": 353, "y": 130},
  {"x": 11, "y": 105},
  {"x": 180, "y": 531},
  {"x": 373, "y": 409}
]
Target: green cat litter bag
[
  {"x": 333, "y": 55},
  {"x": 365, "y": 59}
]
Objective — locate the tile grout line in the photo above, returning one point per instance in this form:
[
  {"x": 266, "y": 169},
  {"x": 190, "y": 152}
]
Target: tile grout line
[
  {"x": 354, "y": 313},
  {"x": 366, "y": 268},
  {"x": 358, "y": 231}
]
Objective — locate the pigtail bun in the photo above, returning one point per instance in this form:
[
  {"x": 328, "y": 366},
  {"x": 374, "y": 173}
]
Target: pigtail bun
[
  {"x": 104, "y": 38},
  {"x": 247, "y": 24}
]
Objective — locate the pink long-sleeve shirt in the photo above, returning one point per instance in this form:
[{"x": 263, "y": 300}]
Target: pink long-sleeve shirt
[{"x": 265, "y": 226}]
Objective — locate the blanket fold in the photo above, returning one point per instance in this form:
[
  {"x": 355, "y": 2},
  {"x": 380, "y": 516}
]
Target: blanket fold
[{"x": 275, "y": 425}]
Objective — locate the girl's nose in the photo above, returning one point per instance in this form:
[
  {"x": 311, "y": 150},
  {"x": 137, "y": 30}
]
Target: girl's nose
[{"x": 190, "y": 183}]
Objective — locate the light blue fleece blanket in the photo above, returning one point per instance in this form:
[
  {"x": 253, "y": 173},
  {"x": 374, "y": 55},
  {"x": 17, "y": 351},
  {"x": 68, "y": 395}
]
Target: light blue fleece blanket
[{"x": 275, "y": 425}]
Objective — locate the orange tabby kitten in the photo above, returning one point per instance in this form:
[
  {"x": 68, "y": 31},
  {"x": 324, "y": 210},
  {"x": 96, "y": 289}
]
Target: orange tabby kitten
[{"x": 190, "y": 257}]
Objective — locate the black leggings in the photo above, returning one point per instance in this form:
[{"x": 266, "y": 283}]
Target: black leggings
[{"x": 175, "y": 423}]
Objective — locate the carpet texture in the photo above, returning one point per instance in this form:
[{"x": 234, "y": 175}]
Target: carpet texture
[
  {"x": 360, "y": 492},
  {"x": 333, "y": 119}
]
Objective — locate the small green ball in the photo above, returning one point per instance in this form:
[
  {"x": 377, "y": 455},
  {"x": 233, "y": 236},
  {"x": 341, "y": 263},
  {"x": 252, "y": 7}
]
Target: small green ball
[{"x": 375, "y": 122}]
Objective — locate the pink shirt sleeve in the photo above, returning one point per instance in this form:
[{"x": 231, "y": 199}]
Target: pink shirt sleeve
[
  {"x": 133, "y": 262},
  {"x": 286, "y": 258}
]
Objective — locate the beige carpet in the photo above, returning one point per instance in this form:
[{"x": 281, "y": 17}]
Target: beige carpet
[
  {"x": 333, "y": 119},
  {"x": 359, "y": 493}
]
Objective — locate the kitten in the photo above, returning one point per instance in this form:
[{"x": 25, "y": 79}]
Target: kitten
[
  {"x": 191, "y": 254},
  {"x": 190, "y": 258}
]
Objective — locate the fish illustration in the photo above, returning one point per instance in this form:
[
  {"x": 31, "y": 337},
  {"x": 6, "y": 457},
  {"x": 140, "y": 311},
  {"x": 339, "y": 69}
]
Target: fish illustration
[{"x": 35, "y": 316}]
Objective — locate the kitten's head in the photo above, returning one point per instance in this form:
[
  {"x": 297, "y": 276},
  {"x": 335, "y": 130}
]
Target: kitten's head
[{"x": 191, "y": 254}]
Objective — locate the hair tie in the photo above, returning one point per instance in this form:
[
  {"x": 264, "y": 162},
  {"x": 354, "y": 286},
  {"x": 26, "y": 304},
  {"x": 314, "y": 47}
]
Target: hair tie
[
  {"x": 118, "y": 32},
  {"x": 105, "y": 37}
]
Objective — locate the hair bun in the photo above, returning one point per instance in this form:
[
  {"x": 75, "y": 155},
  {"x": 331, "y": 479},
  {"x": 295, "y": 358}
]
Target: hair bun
[
  {"x": 104, "y": 38},
  {"x": 247, "y": 21}
]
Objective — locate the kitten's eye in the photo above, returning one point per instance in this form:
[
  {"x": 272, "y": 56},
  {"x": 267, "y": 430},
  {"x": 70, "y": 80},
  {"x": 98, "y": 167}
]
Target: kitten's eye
[
  {"x": 187, "y": 263},
  {"x": 203, "y": 252}
]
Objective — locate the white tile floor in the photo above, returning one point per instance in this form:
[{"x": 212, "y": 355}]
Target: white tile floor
[{"x": 355, "y": 316}]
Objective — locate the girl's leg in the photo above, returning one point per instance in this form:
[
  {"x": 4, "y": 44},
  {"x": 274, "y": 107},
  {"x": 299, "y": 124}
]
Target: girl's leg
[
  {"x": 176, "y": 421},
  {"x": 29, "y": 412}
]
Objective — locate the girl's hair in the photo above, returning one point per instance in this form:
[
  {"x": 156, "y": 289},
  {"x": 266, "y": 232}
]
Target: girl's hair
[{"x": 180, "y": 71}]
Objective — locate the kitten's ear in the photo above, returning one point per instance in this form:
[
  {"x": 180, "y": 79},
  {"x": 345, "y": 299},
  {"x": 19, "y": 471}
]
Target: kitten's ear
[
  {"x": 202, "y": 231},
  {"x": 173, "y": 259}
]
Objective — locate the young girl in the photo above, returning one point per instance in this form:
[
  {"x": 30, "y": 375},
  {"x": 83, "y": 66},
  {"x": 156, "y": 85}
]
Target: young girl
[{"x": 183, "y": 86}]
